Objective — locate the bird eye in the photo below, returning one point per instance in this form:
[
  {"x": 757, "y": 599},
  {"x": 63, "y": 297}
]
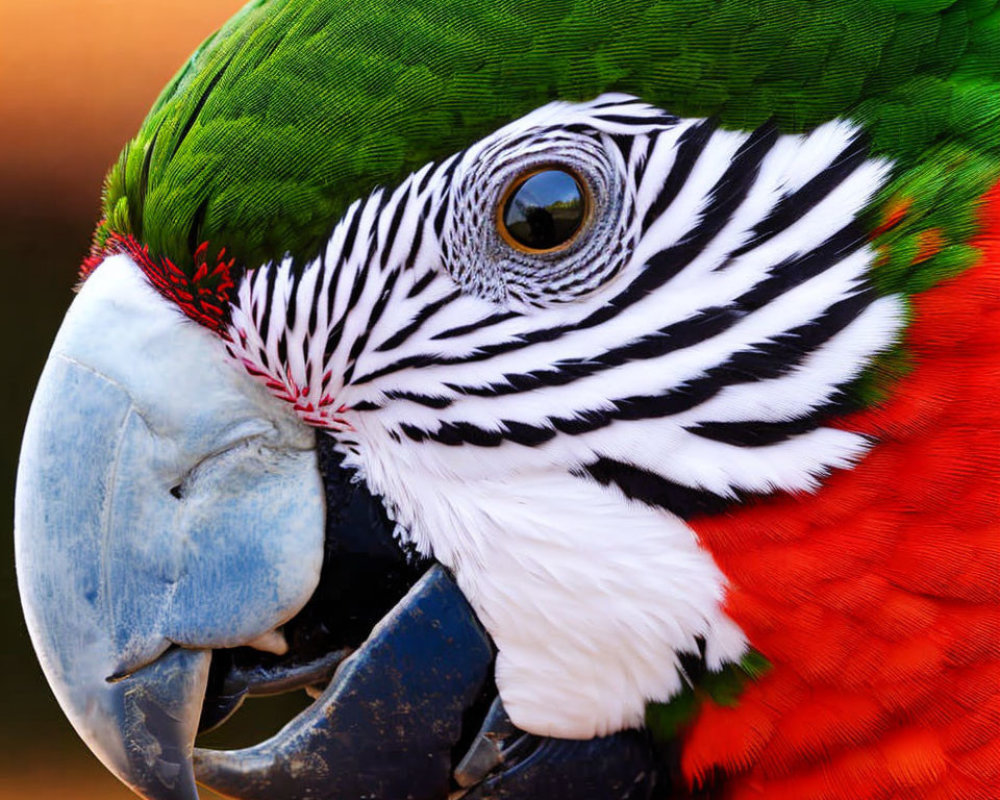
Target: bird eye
[{"x": 543, "y": 210}]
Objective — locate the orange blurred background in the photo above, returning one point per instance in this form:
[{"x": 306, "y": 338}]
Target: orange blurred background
[{"x": 76, "y": 79}]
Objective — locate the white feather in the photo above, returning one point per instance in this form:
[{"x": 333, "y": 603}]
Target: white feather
[{"x": 589, "y": 596}]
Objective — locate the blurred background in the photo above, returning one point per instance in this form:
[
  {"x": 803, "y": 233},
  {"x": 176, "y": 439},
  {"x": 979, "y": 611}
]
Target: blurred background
[{"x": 76, "y": 79}]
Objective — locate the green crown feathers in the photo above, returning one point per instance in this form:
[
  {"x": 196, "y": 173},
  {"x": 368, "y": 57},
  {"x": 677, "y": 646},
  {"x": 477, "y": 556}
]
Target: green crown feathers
[{"x": 297, "y": 107}]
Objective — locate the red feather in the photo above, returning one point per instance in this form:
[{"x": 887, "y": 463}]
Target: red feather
[{"x": 886, "y": 659}]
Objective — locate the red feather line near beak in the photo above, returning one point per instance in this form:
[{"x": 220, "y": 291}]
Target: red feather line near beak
[{"x": 204, "y": 296}]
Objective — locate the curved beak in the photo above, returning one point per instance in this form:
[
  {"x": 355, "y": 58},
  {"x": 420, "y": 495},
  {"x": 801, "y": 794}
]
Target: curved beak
[
  {"x": 166, "y": 505},
  {"x": 142, "y": 724}
]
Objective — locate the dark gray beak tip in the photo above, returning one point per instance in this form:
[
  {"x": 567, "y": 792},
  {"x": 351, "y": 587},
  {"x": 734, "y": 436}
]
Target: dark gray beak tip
[
  {"x": 160, "y": 705},
  {"x": 387, "y": 723}
]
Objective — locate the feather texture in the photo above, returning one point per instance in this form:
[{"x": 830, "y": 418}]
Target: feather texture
[
  {"x": 298, "y": 107},
  {"x": 878, "y": 599},
  {"x": 767, "y": 256}
]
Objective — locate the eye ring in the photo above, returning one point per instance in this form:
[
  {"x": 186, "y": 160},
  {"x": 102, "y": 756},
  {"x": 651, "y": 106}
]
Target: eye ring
[{"x": 573, "y": 229}]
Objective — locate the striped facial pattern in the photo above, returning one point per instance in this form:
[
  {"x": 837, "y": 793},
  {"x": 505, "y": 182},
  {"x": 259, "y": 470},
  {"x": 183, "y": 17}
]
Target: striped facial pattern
[
  {"x": 688, "y": 347},
  {"x": 543, "y": 422}
]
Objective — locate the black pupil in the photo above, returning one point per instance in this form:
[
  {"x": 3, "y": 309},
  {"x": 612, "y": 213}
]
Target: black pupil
[{"x": 545, "y": 210}]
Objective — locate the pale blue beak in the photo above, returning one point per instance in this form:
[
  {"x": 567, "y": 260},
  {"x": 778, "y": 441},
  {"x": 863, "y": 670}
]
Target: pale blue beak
[{"x": 166, "y": 505}]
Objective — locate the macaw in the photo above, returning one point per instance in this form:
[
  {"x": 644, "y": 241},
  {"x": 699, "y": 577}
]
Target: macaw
[{"x": 637, "y": 358}]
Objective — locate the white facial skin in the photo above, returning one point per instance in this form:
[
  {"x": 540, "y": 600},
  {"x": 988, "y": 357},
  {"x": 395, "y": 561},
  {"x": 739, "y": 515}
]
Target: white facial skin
[{"x": 474, "y": 387}]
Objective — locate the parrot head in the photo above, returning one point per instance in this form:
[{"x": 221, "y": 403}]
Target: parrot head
[{"x": 500, "y": 289}]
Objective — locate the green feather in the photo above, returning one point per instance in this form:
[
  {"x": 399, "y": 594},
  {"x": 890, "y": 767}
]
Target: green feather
[
  {"x": 297, "y": 107},
  {"x": 722, "y": 687}
]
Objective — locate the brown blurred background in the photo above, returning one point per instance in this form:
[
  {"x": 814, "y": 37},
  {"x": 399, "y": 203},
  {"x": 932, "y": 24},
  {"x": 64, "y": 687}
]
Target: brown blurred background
[{"x": 76, "y": 79}]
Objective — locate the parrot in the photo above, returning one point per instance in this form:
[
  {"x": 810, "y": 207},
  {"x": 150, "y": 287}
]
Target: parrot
[{"x": 580, "y": 399}]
